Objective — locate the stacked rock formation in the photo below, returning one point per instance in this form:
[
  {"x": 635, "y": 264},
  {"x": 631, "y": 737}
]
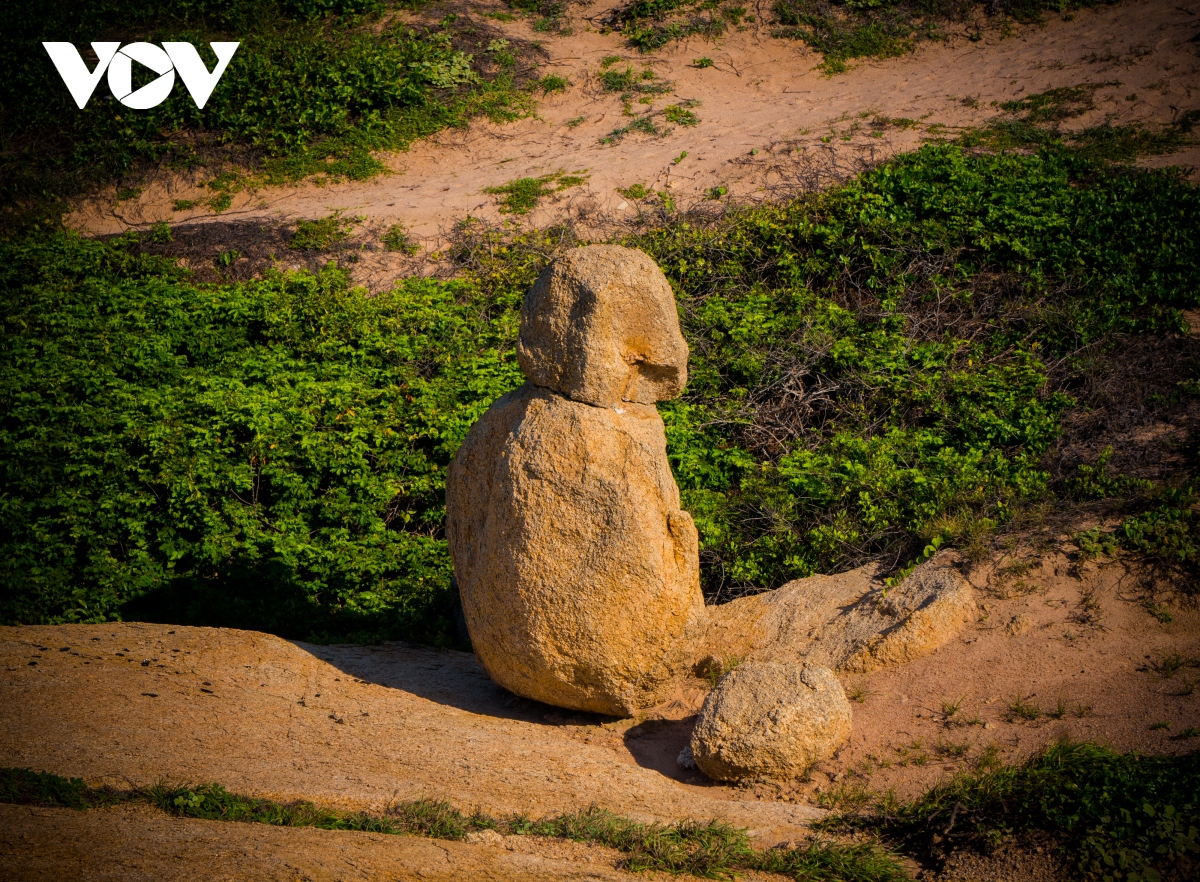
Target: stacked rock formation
[{"x": 578, "y": 571}]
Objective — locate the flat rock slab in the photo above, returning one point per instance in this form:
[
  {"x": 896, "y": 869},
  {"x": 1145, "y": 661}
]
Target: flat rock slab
[
  {"x": 348, "y": 726},
  {"x": 852, "y": 622},
  {"x": 131, "y": 844}
]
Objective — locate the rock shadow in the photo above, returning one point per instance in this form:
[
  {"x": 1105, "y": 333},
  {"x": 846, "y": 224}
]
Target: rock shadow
[
  {"x": 445, "y": 676},
  {"x": 655, "y": 745}
]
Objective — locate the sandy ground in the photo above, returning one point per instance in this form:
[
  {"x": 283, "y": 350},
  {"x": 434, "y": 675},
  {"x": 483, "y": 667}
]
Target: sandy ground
[
  {"x": 1071, "y": 639},
  {"x": 770, "y": 123},
  {"x": 360, "y": 727},
  {"x": 132, "y": 844},
  {"x": 345, "y": 725}
]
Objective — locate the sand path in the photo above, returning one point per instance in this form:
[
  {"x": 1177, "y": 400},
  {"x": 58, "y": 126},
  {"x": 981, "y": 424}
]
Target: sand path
[{"x": 770, "y": 123}]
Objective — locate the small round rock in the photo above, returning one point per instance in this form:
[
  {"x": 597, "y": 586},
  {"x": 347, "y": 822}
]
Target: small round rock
[{"x": 770, "y": 720}]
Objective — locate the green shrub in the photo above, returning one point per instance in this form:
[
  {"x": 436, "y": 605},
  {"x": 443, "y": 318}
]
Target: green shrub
[
  {"x": 868, "y": 377},
  {"x": 1094, "y": 482},
  {"x": 309, "y": 94},
  {"x": 269, "y": 454},
  {"x": 1168, "y": 533},
  {"x": 820, "y": 426}
]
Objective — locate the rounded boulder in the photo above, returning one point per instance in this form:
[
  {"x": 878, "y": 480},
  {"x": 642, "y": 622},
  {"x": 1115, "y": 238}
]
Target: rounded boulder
[{"x": 770, "y": 720}]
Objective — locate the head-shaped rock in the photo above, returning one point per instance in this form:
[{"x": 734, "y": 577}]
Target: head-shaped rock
[{"x": 600, "y": 326}]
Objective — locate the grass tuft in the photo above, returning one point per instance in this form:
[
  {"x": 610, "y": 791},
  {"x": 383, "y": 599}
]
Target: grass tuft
[
  {"x": 523, "y": 195},
  {"x": 396, "y": 238},
  {"x": 322, "y": 233},
  {"x": 552, "y": 83},
  {"x": 858, "y": 692},
  {"x": 824, "y": 860},
  {"x": 1021, "y": 709}
]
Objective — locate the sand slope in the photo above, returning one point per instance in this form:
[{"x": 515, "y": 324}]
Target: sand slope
[{"x": 770, "y": 122}]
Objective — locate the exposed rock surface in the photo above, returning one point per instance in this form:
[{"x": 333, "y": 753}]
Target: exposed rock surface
[
  {"x": 600, "y": 326},
  {"x": 355, "y": 728},
  {"x": 851, "y": 622},
  {"x": 140, "y": 844},
  {"x": 578, "y": 571},
  {"x": 772, "y": 720}
]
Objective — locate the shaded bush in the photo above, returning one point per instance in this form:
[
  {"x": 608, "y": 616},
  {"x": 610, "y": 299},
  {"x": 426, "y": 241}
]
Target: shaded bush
[
  {"x": 870, "y": 376},
  {"x": 266, "y": 455}
]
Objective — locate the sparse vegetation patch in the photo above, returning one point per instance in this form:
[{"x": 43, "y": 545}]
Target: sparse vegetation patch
[
  {"x": 396, "y": 238},
  {"x": 312, "y": 90},
  {"x": 1122, "y": 816},
  {"x": 706, "y": 850},
  {"x": 651, "y": 24},
  {"x": 1037, "y": 121},
  {"x": 523, "y": 195},
  {"x": 322, "y": 233}
]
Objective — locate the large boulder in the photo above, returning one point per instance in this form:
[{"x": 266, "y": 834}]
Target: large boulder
[
  {"x": 578, "y": 571},
  {"x": 770, "y": 720}
]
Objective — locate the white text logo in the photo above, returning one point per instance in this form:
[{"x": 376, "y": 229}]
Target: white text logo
[{"x": 118, "y": 61}]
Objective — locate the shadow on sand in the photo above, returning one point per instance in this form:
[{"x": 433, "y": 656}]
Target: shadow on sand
[{"x": 455, "y": 679}]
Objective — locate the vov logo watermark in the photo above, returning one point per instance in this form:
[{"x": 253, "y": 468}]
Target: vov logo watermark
[{"x": 118, "y": 61}]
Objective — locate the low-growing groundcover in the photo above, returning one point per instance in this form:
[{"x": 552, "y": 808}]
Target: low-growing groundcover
[
  {"x": 268, "y": 455},
  {"x": 876, "y": 371},
  {"x": 871, "y": 369},
  {"x": 1121, "y": 816},
  {"x": 1116, "y": 816}
]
